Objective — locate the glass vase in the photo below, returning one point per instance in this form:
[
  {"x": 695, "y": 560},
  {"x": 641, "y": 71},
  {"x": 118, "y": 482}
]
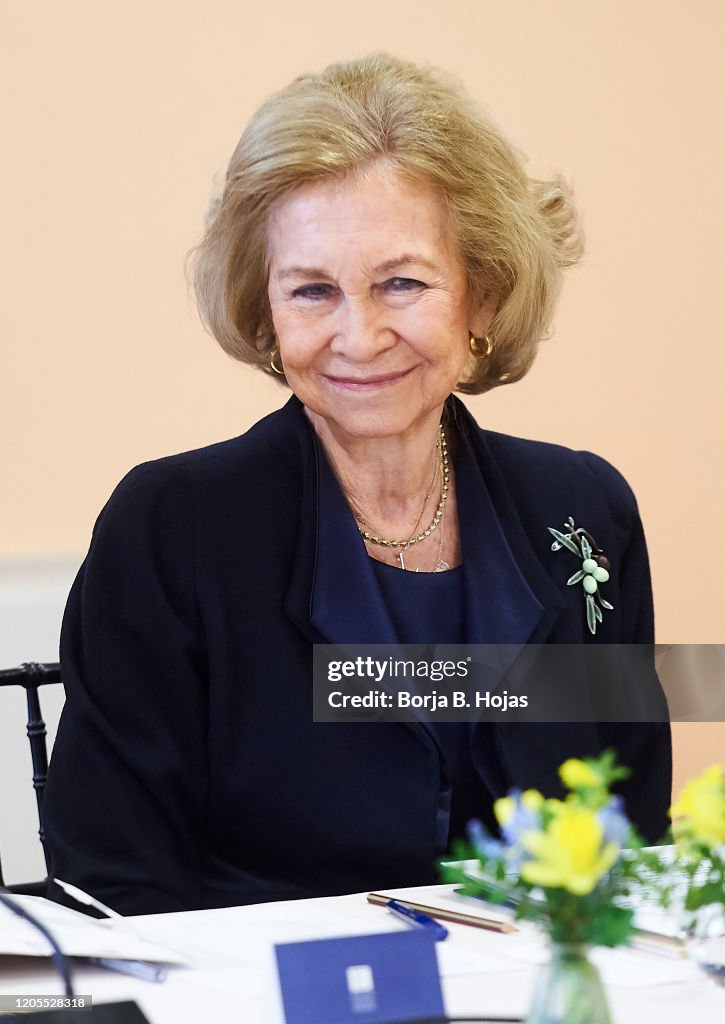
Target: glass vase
[
  {"x": 569, "y": 990},
  {"x": 705, "y": 941}
]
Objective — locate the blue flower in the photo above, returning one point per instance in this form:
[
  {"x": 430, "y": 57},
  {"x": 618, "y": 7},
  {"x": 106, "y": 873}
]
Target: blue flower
[
  {"x": 614, "y": 821},
  {"x": 483, "y": 842},
  {"x": 519, "y": 812}
]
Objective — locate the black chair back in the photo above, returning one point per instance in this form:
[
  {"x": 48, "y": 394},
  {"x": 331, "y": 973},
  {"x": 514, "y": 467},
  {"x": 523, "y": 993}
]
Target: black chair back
[{"x": 31, "y": 676}]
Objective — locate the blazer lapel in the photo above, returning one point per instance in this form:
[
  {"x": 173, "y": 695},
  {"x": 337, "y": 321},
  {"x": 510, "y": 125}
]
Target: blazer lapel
[
  {"x": 510, "y": 598},
  {"x": 524, "y": 611},
  {"x": 298, "y": 600},
  {"x": 349, "y": 607},
  {"x": 333, "y": 596}
]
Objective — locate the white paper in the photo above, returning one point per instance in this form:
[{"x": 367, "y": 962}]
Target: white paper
[{"x": 76, "y": 934}]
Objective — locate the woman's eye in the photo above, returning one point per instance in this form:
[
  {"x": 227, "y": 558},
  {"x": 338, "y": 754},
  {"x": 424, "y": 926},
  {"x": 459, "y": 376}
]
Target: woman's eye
[
  {"x": 318, "y": 292},
  {"x": 312, "y": 291},
  {"x": 403, "y": 284}
]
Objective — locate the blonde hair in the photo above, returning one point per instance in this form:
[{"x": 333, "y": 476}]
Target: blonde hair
[{"x": 515, "y": 234}]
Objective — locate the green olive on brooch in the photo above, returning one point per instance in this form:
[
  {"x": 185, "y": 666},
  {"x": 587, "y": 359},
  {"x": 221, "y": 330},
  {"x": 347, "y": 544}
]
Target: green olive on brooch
[{"x": 592, "y": 570}]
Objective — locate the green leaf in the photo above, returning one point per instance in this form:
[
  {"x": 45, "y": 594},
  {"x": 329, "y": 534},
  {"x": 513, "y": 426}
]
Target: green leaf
[
  {"x": 703, "y": 895},
  {"x": 591, "y": 617},
  {"x": 612, "y": 926},
  {"x": 586, "y": 547},
  {"x": 605, "y": 604},
  {"x": 565, "y": 540},
  {"x": 575, "y": 578},
  {"x": 597, "y": 612},
  {"x": 606, "y": 766}
]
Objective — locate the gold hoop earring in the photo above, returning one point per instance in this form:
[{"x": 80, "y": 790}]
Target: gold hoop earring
[
  {"x": 276, "y": 369},
  {"x": 475, "y": 346}
]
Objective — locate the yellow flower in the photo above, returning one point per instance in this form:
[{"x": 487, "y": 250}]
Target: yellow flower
[
  {"x": 505, "y": 806},
  {"x": 576, "y": 774},
  {"x": 569, "y": 855},
  {"x": 700, "y": 812}
]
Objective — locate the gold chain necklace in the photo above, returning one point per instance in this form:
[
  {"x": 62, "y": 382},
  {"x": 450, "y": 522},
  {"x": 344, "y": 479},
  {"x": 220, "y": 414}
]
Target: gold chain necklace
[
  {"x": 416, "y": 538},
  {"x": 440, "y": 565},
  {"x": 362, "y": 522}
]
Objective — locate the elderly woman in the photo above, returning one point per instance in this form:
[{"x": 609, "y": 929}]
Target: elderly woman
[{"x": 377, "y": 247}]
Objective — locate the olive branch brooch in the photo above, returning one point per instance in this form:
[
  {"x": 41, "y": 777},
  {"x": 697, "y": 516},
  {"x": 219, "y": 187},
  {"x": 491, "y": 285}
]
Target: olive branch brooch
[{"x": 594, "y": 568}]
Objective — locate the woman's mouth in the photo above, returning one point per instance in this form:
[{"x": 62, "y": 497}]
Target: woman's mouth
[{"x": 367, "y": 382}]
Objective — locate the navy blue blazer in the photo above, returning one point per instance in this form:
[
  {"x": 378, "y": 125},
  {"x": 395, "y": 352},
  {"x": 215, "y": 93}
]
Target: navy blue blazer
[{"x": 187, "y": 771}]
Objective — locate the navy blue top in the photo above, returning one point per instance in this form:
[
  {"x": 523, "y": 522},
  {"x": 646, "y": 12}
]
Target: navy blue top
[
  {"x": 421, "y": 608},
  {"x": 424, "y": 607}
]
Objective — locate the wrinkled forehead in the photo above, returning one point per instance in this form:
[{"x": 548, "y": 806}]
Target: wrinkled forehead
[{"x": 375, "y": 214}]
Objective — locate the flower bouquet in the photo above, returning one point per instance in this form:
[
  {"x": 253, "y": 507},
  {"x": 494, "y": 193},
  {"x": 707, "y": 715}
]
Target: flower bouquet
[{"x": 570, "y": 865}]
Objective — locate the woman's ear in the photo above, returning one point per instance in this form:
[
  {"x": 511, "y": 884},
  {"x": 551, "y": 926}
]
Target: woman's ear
[{"x": 482, "y": 313}]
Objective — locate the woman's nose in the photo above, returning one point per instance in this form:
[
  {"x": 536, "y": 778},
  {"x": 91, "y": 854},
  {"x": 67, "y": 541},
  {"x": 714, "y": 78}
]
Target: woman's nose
[{"x": 362, "y": 331}]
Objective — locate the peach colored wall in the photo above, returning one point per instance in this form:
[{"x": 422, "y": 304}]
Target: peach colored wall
[{"x": 116, "y": 117}]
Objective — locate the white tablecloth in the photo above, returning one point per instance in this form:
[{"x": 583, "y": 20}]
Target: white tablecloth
[{"x": 230, "y": 953}]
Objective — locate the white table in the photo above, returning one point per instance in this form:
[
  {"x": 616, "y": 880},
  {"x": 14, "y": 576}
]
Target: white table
[{"x": 483, "y": 972}]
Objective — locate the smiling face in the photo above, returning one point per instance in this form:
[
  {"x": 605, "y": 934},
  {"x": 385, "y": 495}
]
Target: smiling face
[{"x": 370, "y": 303}]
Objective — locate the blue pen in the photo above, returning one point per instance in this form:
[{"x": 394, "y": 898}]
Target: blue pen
[
  {"x": 417, "y": 920},
  {"x": 136, "y": 968}
]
